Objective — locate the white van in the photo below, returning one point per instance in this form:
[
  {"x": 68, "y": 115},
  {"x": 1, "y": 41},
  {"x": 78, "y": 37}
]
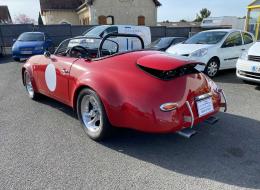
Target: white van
[{"x": 125, "y": 44}]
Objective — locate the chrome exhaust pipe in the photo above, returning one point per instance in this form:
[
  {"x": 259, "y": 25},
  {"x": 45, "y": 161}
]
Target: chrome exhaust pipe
[{"x": 187, "y": 133}]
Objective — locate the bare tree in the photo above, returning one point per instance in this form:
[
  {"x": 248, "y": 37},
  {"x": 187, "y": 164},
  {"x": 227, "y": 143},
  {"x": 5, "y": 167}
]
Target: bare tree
[{"x": 23, "y": 19}]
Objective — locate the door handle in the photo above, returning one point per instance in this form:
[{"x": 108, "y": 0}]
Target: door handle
[
  {"x": 243, "y": 49},
  {"x": 64, "y": 71}
]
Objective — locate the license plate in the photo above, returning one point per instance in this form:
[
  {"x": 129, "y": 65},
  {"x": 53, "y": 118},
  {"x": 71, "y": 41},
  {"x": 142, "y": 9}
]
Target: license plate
[
  {"x": 205, "y": 106},
  {"x": 255, "y": 69},
  {"x": 26, "y": 52}
]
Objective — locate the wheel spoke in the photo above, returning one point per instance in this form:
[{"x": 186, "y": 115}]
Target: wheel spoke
[
  {"x": 28, "y": 85},
  {"x": 212, "y": 68},
  {"x": 91, "y": 113},
  {"x": 92, "y": 123}
]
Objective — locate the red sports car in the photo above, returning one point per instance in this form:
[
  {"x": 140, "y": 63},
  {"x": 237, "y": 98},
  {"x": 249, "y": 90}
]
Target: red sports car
[{"x": 144, "y": 90}]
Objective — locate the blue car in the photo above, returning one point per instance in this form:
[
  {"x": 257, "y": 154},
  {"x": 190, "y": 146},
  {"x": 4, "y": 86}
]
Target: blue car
[{"x": 29, "y": 44}]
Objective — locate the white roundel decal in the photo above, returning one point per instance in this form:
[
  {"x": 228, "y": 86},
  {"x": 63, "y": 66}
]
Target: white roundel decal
[{"x": 50, "y": 77}]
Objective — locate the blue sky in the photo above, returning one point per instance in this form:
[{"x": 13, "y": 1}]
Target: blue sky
[{"x": 173, "y": 10}]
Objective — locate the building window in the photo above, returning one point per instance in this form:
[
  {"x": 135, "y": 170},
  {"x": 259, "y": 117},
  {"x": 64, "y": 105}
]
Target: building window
[
  {"x": 102, "y": 19},
  {"x": 141, "y": 20},
  {"x": 110, "y": 20},
  {"x": 85, "y": 21}
]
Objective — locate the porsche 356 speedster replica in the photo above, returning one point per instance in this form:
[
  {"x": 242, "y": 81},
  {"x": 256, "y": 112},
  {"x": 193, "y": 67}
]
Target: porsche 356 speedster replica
[{"x": 140, "y": 89}]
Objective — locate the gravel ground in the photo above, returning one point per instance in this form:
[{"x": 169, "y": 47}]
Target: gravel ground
[{"x": 44, "y": 147}]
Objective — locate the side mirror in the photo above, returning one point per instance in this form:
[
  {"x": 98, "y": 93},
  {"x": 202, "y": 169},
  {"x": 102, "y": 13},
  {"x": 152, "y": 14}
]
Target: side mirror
[
  {"x": 47, "y": 54},
  {"x": 14, "y": 40}
]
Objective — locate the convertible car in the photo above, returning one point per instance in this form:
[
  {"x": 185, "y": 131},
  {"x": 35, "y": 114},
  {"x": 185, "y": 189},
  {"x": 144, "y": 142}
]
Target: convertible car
[{"x": 150, "y": 91}]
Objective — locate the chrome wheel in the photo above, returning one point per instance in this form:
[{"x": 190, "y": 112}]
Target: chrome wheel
[
  {"x": 91, "y": 113},
  {"x": 28, "y": 85},
  {"x": 212, "y": 68}
]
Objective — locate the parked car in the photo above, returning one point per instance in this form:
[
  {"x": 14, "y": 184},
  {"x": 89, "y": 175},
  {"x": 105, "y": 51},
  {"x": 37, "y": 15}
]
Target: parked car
[
  {"x": 248, "y": 65},
  {"x": 125, "y": 43},
  {"x": 30, "y": 43},
  {"x": 112, "y": 90},
  {"x": 217, "y": 49},
  {"x": 162, "y": 44}
]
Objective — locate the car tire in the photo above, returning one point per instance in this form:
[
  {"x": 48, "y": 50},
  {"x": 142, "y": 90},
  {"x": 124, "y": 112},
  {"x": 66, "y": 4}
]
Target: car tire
[
  {"x": 212, "y": 67},
  {"x": 17, "y": 59},
  {"x": 92, "y": 115},
  {"x": 29, "y": 87}
]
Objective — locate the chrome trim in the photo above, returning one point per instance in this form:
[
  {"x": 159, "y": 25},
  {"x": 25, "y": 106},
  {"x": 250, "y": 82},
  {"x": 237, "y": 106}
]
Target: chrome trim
[
  {"x": 170, "y": 103},
  {"x": 225, "y": 99},
  {"x": 186, "y": 133},
  {"x": 191, "y": 113},
  {"x": 204, "y": 96}
]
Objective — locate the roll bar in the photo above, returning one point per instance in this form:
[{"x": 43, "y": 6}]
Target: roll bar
[{"x": 117, "y": 35}]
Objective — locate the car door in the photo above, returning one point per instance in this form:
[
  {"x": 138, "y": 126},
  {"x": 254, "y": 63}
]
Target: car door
[
  {"x": 231, "y": 50},
  {"x": 53, "y": 76}
]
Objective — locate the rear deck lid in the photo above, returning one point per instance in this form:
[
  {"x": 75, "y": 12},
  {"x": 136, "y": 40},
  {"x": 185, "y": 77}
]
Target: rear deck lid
[
  {"x": 166, "y": 67},
  {"x": 164, "y": 62}
]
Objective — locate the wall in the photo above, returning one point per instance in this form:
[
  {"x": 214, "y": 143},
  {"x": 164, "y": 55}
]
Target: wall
[
  {"x": 83, "y": 15},
  {"x": 58, "y": 33},
  {"x": 57, "y": 17},
  {"x": 125, "y": 11}
]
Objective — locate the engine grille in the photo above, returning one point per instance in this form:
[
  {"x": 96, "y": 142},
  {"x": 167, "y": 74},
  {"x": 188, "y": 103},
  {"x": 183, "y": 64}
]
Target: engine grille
[
  {"x": 254, "y": 58},
  {"x": 249, "y": 74}
]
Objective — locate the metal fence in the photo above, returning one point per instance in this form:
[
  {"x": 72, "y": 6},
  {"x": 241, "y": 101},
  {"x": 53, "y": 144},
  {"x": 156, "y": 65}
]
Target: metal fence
[{"x": 58, "y": 33}]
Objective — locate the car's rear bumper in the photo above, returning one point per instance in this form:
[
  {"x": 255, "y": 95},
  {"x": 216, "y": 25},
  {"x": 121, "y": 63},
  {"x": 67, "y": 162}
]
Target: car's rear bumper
[
  {"x": 193, "y": 119},
  {"x": 246, "y": 72},
  {"x": 185, "y": 116}
]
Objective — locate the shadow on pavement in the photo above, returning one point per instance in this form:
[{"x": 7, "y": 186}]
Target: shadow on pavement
[
  {"x": 227, "y": 76},
  {"x": 228, "y": 152},
  {"x": 6, "y": 59},
  {"x": 57, "y": 105}
]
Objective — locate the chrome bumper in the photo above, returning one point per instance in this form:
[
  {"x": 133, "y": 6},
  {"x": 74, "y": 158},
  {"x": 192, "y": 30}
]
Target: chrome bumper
[
  {"x": 191, "y": 118},
  {"x": 223, "y": 104}
]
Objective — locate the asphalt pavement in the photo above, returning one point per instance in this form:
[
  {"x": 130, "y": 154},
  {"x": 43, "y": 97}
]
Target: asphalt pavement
[{"x": 43, "y": 146}]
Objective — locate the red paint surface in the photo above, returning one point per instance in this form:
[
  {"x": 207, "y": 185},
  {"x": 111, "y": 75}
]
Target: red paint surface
[{"x": 131, "y": 97}]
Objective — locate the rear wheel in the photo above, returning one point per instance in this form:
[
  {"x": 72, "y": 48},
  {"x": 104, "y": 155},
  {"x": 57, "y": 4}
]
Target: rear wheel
[
  {"x": 212, "y": 68},
  {"x": 92, "y": 115},
  {"x": 29, "y": 87}
]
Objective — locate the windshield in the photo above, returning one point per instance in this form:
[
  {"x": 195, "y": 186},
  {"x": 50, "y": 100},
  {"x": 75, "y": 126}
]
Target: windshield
[
  {"x": 31, "y": 37},
  {"x": 206, "y": 38},
  {"x": 95, "y": 31},
  {"x": 92, "y": 47},
  {"x": 163, "y": 42}
]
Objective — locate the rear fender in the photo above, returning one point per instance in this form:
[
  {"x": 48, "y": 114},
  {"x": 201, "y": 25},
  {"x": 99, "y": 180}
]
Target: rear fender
[{"x": 106, "y": 89}]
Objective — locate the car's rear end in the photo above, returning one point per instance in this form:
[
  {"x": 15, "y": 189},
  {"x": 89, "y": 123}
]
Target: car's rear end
[
  {"x": 167, "y": 95},
  {"x": 248, "y": 65}
]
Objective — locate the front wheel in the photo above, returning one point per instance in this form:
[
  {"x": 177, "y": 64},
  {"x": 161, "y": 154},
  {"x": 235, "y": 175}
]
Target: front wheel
[
  {"x": 92, "y": 115},
  {"x": 212, "y": 68},
  {"x": 29, "y": 87}
]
